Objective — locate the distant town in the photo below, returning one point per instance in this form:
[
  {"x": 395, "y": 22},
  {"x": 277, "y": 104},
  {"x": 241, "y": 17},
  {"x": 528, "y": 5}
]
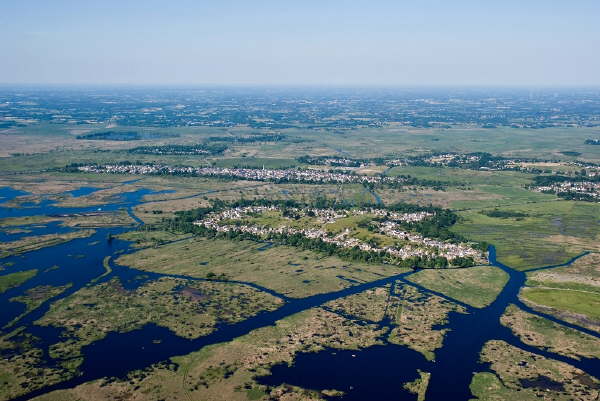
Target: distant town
[
  {"x": 339, "y": 109},
  {"x": 252, "y": 174}
]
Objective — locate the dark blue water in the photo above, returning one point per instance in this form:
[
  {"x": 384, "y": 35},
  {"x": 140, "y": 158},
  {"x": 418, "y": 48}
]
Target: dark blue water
[
  {"x": 78, "y": 261},
  {"x": 7, "y": 193},
  {"x": 53, "y": 227},
  {"x": 83, "y": 191},
  {"x": 375, "y": 195},
  {"x": 47, "y": 207},
  {"x": 267, "y": 245},
  {"x": 373, "y": 373},
  {"x": 72, "y": 269},
  {"x": 376, "y": 373}
]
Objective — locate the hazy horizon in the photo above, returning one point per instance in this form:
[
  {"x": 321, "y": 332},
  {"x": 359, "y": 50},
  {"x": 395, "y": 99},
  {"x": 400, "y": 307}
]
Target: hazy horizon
[
  {"x": 269, "y": 43},
  {"x": 292, "y": 86}
]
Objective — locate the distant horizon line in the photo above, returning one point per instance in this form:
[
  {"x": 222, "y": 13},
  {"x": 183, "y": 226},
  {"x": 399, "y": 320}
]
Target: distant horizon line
[{"x": 301, "y": 85}]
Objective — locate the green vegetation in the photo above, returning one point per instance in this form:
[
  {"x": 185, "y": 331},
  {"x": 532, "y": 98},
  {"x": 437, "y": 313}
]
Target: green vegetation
[
  {"x": 570, "y": 153},
  {"x": 521, "y": 375},
  {"x": 34, "y": 297},
  {"x": 150, "y": 238},
  {"x": 27, "y": 244},
  {"x": 569, "y": 292},
  {"x": 98, "y": 220},
  {"x": 502, "y": 197},
  {"x": 552, "y": 233},
  {"x": 574, "y": 286},
  {"x": 504, "y": 214},
  {"x": 200, "y": 149},
  {"x": 124, "y": 135},
  {"x": 255, "y": 162},
  {"x": 26, "y": 220},
  {"x": 12, "y": 280},
  {"x": 529, "y": 229},
  {"x": 23, "y": 367},
  {"x": 543, "y": 333},
  {"x": 359, "y": 143},
  {"x": 575, "y": 301},
  {"x": 165, "y": 205},
  {"x": 255, "y": 393},
  {"x": 419, "y": 386},
  {"x": 107, "y": 270},
  {"x": 287, "y": 270},
  {"x": 413, "y": 316},
  {"x": 227, "y": 371},
  {"x": 416, "y": 316},
  {"x": 458, "y": 176},
  {"x": 546, "y": 180},
  {"x": 486, "y": 386},
  {"x": 583, "y": 275},
  {"x": 251, "y": 138},
  {"x": 190, "y": 309},
  {"x": 476, "y": 286}
]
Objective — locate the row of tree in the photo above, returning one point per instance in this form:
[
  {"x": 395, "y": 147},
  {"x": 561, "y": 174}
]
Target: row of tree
[{"x": 198, "y": 149}]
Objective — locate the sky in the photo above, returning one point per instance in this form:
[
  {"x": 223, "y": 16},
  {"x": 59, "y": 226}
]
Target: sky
[{"x": 302, "y": 42}]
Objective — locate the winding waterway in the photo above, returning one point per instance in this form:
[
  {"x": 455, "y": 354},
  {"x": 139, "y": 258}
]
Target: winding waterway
[{"x": 373, "y": 373}]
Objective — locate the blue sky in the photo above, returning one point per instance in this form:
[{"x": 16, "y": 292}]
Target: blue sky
[{"x": 451, "y": 42}]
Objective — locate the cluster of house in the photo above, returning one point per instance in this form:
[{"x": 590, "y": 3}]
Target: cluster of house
[
  {"x": 447, "y": 249},
  {"x": 162, "y": 150},
  {"x": 391, "y": 215},
  {"x": 396, "y": 162},
  {"x": 587, "y": 169},
  {"x": 417, "y": 245},
  {"x": 586, "y": 188},
  {"x": 335, "y": 161},
  {"x": 451, "y": 159},
  {"x": 290, "y": 174},
  {"x": 456, "y": 160},
  {"x": 323, "y": 215},
  {"x": 446, "y": 158}
]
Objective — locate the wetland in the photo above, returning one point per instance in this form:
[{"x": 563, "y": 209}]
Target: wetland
[{"x": 393, "y": 323}]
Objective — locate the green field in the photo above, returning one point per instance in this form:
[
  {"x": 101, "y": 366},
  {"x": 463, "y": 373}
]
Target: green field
[
  {"x": 540, "y": 332},
  {"x": 476, "y": 286},
  {"x": 290, "y": 271},
  {"x": 256, "y": 162},
  {"x": 576, "y": 301},
  {"x": 457, "y": 176},
  {"x": 552, "y": 233},
  {"x": 55, "y": 146},
  {"x": 542, "y": 143}
]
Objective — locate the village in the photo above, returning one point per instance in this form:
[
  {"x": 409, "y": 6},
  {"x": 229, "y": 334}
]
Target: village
[
  {"x": 264, "y": 174},
  {"x": 410, "y": 245},
  {"x": 587, "y": 189}
]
